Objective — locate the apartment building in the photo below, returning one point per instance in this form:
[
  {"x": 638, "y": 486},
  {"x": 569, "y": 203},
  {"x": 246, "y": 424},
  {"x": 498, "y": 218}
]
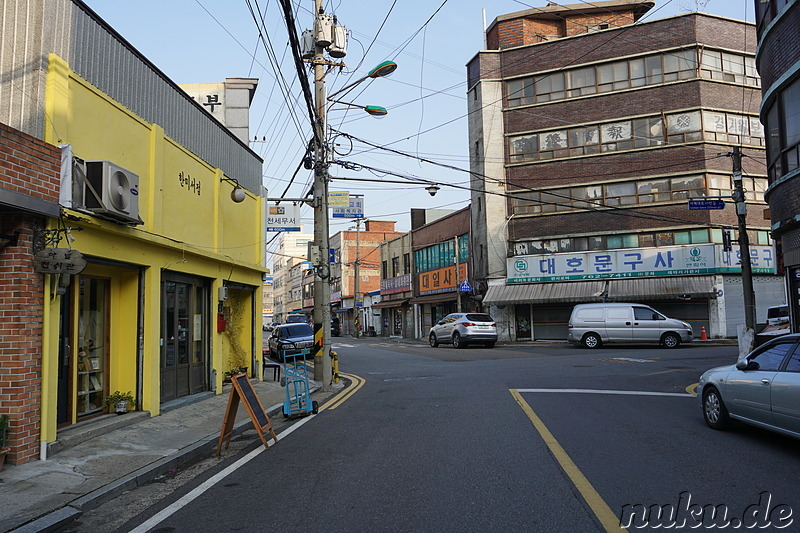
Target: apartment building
[{"x": 592, "y": 135}]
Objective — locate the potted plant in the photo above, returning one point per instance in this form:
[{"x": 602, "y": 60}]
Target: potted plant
[
  {"x": 4, "y": 447},
  {"x": 120, "y": 401}
]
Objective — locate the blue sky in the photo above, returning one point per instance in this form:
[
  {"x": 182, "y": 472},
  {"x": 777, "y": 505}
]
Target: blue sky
[{"x": 198, "y": 41}]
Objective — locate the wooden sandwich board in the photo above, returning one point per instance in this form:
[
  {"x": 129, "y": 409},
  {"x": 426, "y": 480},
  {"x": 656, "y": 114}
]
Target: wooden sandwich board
[{"x": 243, "y": 389}]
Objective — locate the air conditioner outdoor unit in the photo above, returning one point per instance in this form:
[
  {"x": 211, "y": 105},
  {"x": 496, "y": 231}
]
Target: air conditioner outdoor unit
[{"x": 111, "y": 191}]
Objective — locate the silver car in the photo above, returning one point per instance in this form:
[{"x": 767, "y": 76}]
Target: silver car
[
  {"x": 462, "y": 329},
  {"x": 762, "y": 389}
]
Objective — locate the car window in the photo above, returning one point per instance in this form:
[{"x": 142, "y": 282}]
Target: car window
[
  {"x": 643, "y": 313},
  {"x": 298, "y": 330},
  {"x": 477, "y": 317},
  {"x": 772, "y": 357},
  {"x": 794, "y": 362}
]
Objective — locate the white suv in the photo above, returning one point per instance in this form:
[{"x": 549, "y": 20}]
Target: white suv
[{"x": 461, "y": 329}]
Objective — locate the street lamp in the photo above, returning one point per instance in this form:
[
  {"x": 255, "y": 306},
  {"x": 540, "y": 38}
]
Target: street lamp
[
  {"x": 381, "y": 71},
  {"x": 374, "y": 110},
  {"x": 322, "y": 289}
]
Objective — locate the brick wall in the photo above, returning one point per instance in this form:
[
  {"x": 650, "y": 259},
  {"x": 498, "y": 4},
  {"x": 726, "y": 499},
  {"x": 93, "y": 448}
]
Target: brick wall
[
  {"x": 31, "y": 167},
  {"x": 441, "y": 229}
]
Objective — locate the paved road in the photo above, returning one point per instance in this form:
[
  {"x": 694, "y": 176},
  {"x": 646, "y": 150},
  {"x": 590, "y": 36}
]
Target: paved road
[{"x": 519, "y": 438}]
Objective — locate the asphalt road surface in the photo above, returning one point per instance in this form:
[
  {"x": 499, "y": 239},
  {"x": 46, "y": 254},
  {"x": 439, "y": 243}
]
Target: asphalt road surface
[{"x": 515, "y": 438}]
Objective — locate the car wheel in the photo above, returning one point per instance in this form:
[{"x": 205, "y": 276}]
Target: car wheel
[
  {"x": 671, "y": 340},
  {"x": 592, "y": 340},
  {"x": 457, "y": 342},
  {"x": 714, "y": 410},
  {"x": 433, "y": 341}
]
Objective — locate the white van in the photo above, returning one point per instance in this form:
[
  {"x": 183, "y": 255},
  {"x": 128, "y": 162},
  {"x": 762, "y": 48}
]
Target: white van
[{"x": 594, "y": 324}]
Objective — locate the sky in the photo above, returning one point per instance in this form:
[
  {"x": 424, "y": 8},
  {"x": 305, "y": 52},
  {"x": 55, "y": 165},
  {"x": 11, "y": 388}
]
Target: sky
[{"x": 206, "y": 41}]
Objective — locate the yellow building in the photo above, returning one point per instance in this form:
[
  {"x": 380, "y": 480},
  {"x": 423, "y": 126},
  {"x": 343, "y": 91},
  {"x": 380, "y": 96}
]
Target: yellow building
[{"x": 169, "y": 299}]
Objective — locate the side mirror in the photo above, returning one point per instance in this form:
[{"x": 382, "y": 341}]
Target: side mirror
[{"x": 746, "y": 364}]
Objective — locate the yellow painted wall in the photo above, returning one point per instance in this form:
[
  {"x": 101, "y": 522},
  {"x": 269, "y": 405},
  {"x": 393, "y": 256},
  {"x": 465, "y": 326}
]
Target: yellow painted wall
[{"x": 191, "y": 226}]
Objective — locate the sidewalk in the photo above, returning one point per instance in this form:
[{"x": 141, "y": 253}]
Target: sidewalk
[{"x": 96, "y": 461}]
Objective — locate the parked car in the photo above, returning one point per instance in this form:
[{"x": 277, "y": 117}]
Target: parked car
[
  {"x": 461, "y": 329},
  {"x": 595, "y": 324},
  {"x": 287, "y": 339},
  {"x": 297, "y": 319},
  {"x": 762, "y": 389},
  {"x": 336, "y": 329},
  {"x": 269, "y": 326}
]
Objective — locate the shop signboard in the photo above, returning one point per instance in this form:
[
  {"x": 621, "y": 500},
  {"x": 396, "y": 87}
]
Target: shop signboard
[
  {"x": 441, "y": 280},
  {"x": 637, "y": 262},
  {"x": 283, "y": 217},
  {"x": 355, "y": 208},
  {"x": 396, "y": 284}
]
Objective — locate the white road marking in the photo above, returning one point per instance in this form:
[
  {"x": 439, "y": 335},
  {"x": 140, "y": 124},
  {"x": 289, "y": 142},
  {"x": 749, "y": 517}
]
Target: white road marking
[
  {"x": 337, "y": 345},
  {"x": 168, "y": 511},
  {"x": 622, "y": 392},
  {"x": 633, "y": 360}
]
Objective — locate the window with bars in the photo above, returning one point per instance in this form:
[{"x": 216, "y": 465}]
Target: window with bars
[
  {"x": 653, "y": 69},
  {"x": 629, "y": 134},
  {"x": 643, "y": 239},
  {"x": 635, "y": 192}
]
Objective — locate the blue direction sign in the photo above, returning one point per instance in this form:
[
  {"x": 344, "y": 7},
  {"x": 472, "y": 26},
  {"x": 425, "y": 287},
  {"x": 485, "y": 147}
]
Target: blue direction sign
[
  {"x": 465, "y": 286},
  {"x": 706, "y": 203}
]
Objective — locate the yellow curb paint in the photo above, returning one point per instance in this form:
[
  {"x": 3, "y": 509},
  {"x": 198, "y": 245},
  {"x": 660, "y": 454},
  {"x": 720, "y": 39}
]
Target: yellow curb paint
[
  {"x": 602, "y": 511},
  {"x": 692, "y": 389},
  {"x": 359, "y": 382}
]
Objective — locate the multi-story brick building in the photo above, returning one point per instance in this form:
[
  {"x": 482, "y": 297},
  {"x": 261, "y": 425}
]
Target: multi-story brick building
[
  {"x": 362, "y": 248},
  {"x": 442, "y": 262},
  {"x": 589, "y": 134},
  {"x": 778, "y": 61},
  {"x": 29, "y": 185}
]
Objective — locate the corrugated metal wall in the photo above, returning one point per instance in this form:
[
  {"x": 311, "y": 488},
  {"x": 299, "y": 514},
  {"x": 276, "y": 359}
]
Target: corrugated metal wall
[{"x": 31, "y": 29}]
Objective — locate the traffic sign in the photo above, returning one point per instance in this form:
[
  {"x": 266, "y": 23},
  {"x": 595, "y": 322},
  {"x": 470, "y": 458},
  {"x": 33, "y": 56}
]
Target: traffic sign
[
  {"x": 707, "y": 203},
  {"x": 465, "y": 286}
]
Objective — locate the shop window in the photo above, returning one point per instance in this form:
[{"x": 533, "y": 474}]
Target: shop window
[{"x": 93, "y": 345}]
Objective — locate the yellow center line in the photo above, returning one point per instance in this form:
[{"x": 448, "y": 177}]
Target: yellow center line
[
  {"x": 602, "y": 511},
  {"x": 692, "y": 389},
  {"x": 359, "y": 382}
]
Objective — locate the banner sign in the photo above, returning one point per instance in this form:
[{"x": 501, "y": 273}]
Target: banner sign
[
  {"x": 441, "y": 280},
  {"x": 637, "y": 262},
  {"x": 355, "y": 209},
  {"x": 283, "y": 217},
  {"x": 396, "y": 284},
  {"x": 339, "y": 198}
]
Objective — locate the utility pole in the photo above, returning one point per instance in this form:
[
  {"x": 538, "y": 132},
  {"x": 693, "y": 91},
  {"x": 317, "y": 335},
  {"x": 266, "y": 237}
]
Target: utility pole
[
  {"x": 458, "y": 275},
  {"x": 744, "y": 247},
  {"x": 357, "y": 279},
  {"x": 322, "y": 289}
]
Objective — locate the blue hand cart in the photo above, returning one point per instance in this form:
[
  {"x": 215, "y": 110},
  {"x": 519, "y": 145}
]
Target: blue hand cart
[{"x": 295, "y": 379}]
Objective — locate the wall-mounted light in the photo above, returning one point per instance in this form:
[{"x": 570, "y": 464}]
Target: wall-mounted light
[{"x": 237, "y": 194}]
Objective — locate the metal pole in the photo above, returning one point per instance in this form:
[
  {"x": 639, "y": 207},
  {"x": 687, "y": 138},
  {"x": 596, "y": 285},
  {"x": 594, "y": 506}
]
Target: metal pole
[
  {"x": 458, "y": 277},
  {"x": 322, "y": 309},
  {"x": 744, "y": 242},
  {"x": 357, "y": 278}
]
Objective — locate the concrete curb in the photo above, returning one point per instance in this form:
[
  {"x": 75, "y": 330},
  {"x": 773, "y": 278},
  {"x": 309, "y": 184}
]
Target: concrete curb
[{"x": 201, "y": 449}]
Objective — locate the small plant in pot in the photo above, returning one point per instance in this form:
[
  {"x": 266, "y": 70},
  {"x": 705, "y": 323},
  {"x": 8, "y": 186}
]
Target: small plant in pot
[
  {"x": 4, "y": 447},
  {"x": 120, "y": 400}
]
